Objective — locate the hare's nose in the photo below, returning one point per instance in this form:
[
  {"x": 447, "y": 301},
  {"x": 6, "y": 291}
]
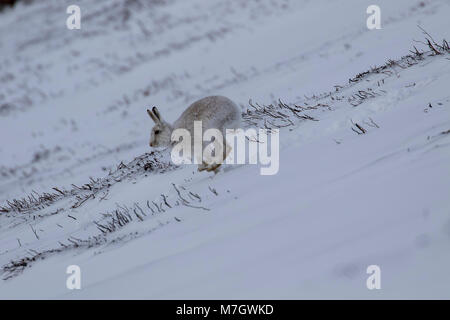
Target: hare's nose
[{"x": 151, "y": 144}]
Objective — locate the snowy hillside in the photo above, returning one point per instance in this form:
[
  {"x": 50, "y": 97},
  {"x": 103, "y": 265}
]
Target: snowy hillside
[{"x": 364, "y": 174}]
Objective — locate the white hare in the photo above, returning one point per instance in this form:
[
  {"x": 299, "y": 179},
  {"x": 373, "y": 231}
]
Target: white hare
[{"x": 215, "y": 112}]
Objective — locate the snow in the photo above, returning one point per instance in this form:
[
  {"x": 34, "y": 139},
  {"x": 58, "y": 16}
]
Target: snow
[{"x": 340, "y": 202}]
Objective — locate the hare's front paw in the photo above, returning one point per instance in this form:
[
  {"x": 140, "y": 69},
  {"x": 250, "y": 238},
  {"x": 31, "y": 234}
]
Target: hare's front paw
[
  {"x": 214, "y": 167},
  {"x": 209, "y": 167},
  {"x": 202, "y": 167}
]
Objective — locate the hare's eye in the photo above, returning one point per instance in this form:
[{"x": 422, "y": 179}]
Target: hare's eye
[{"x": 157, "y": 131}]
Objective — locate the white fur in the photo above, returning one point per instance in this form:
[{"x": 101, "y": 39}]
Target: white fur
[{"x": 215, "y": 112}]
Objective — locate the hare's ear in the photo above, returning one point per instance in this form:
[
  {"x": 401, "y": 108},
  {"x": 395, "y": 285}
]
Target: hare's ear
[
  {"x": 154, "y": 118},
  {"x": 156, "y": 113}
]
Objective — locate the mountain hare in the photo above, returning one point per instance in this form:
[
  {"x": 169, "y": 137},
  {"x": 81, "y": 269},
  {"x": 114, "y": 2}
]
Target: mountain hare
[{"x": 215, "y": 112}]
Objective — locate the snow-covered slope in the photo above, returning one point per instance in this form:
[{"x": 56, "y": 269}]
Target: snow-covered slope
[{"x": 79, "y": 184}]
